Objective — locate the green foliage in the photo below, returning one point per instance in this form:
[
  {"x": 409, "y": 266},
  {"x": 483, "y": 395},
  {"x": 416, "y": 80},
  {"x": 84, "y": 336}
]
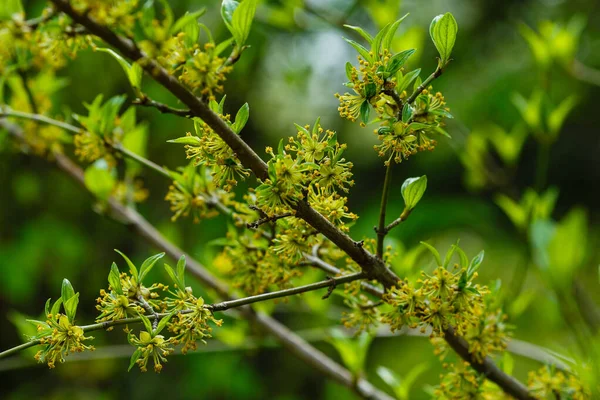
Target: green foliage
[
  {"x": 442, "y": 30},
  {"x": 413, "y": 190}
]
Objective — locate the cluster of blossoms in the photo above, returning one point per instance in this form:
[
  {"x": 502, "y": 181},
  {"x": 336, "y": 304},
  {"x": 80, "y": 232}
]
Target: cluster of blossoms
[
  {"x": 208, "y": 149},
  {"x": 449, "y": 299},
  {"x": 59, "y": 335},
  {"x": 118, "y": 15},
  {"x": 195, "y": 193},
  {"x": 461, "y": 381},
  {"x": 380, "y": 84},
  {"x": 548, "y": 383}
]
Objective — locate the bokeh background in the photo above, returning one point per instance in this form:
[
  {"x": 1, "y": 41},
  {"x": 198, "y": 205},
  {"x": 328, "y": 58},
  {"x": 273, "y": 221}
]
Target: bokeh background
[{"x": 49, "y": 228}]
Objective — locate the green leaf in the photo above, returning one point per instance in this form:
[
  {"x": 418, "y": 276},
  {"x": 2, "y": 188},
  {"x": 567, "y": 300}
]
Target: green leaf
[
  {"x": 99, "y": 180},
  {"x": 407, "y": 112},
  {"x": 186, "y": 19},
  {"x": 376, "y": 47},
  {"x": 449, "y": 255},
  {"x": 164, "y": 321},
  {"x": 172, "y": 275},
  {"x": 433, "y": 251},
  {"x": 241, "y": 118},
  {"x": 133, "y": 72},
  {"x": 71, "y": 307},
  {"x": 398, "y": 60},
  {"x": 222, "y": 46},
  {"x": 56, "y": 306},
  {"x": 114, "y": 279},
  {"x": 475, "y": 263},
  {"x": 541, "y": 53},
  {"x": 134, "y": 357},
  {"x": 558, "y": 116},
  {"x": 227, "y": 9},
  {"x": 181, "y": 271},
  {"x": 370, "y": 90},
  {"x": 353, "y": 351},
  {"x": 389, "y": 36},
  {"x": 132, "y": 269},
  {"x": 464, "y": 260},
  {"x": 191, "y": 140},
  {"x": 66, "y": 291},
  {"x": 443, "y": 31},
  {"x": 361, "y": 32},
  {"x": 10, "y": 8},
  {"x": 147, "y": 323},
  {"x": 407, "y": 80},
  {"x": 364, "y": 112},
  {"x": 148, "y": 264},
  {"x": 348, "y": 70},
  {"x": 364, "y": 53},
  {"x": 412, "y": 191},
  {"x": 242, "y": 21}
]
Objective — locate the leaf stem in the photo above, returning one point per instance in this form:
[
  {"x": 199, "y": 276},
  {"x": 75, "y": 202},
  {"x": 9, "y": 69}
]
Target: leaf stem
[{"x": 380, "y": 229}]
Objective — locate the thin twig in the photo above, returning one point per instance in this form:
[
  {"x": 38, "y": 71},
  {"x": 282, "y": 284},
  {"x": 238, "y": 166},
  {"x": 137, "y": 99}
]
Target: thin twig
[
  {"x": 264, "y": 220},
  {"x": 380, "y": 228},
  {"x": 163, "y": 108},
  {"x": 222, "y": 306},
  {"x": 438, "y": 71}
]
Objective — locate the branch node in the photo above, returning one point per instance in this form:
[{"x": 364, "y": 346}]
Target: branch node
[{"x": 330, "y": 289}]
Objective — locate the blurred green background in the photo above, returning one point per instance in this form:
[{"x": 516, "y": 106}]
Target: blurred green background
[{"x": 49, "y": 229}]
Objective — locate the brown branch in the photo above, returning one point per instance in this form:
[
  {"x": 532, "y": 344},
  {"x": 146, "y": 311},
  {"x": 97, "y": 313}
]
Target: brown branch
[
  {"x": 163, "y": 108},
  {"x": 288, "y": 339}
]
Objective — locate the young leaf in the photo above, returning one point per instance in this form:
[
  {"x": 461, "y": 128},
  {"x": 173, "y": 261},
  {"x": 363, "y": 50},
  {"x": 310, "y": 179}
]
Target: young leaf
[
  {"x": 475, "y": 263},
  {"x": 389, "y": 36},
  {"x": 361, "y": 32},
  {"x": 114, "y": 279},
  {"x": 407, "y": 112},
  {"x": 70, "y": 307},
  {"x": 241, "y": 118},
  {"x": 364, "y": 53},
  {"x": 146, "y": 322},
  {"x": 99, "y": 180},
  {"x": 412, "y": 191},
  {"x": 134, "y": 357},
  {"x": 164, "y": 321},
  {"x": 148, "y": 264},
  {"x": 449, "y": 255},
  {"x": 398, "y": 60},
  {"x": 364, "y": 112},
  {"x": 10, "y": 9},
  {"x": 242, "y": 21},
  {"x": 191, "y": 140},
  {"x": 407, "y": 80},
  {"x": 433, "y": 251},
  {"x": 132, "y": 269},
  {"x": 66, "y": 291},
  {"x": 181, "y": 271},
  {"x": 227, "y": 9},
  {"x": 348, "y": 70},
  {"x": 172, "y": 275},
  {"x": 134, "y": 72},
  {"x": 56, "y": 306},
  {"x": 186, "y": 19},
  {"x": 443, "y": 31}
]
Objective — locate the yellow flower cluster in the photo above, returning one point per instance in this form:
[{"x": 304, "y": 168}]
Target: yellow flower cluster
[
  {"x": 150, "y": 346},
  {"x": 547, "y": 384},
  {"x": 190, "y": 327},
  {"x": 120, "y": 15},
  {"x": 60, "y": 337},
  {"x": 199, "y": 68},
  {"x": 194, "y": 192}
]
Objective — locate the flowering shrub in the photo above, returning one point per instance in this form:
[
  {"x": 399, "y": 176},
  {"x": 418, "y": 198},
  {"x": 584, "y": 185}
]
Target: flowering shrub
[{"x": 296, "y": 214}]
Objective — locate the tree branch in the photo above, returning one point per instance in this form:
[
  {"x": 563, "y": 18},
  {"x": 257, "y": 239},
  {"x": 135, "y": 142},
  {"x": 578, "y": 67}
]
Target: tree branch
[
  {"x": 290, "y": 341},
  {"x": 222, "y": 306},
  {"x": 371, "y": 264},
  {"x": 163, "y": 108}
]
